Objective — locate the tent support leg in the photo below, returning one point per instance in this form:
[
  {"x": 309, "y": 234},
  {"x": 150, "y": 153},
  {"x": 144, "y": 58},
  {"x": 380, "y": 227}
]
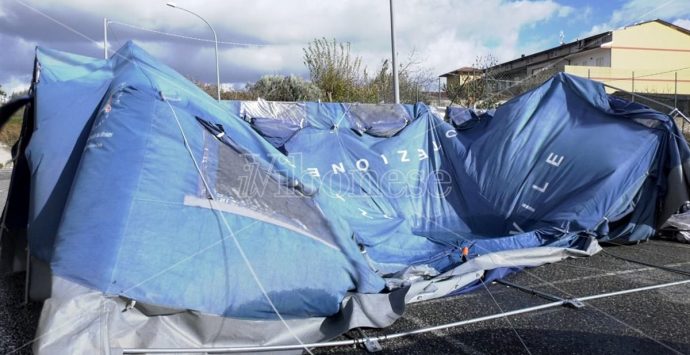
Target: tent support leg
[
  {"x": 568, "y": 302},
  {"x": 27, "y": 278}
]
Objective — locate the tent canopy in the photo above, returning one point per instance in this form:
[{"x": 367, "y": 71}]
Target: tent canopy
[{"x": 144, "y": 187}]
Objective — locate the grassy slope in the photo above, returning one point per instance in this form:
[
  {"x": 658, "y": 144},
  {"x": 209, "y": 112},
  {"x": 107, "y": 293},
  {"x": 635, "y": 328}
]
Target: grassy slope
[{"x": 10, "y": 132}]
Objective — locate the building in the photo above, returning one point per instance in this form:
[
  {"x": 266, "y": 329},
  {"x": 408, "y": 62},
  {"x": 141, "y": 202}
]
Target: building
[
  {"x": 651, "y": 57},
  {"x": 462, "y": 75}
]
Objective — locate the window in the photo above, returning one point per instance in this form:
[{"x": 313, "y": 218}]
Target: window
[
  {"x": 600, "y": 61},
  {"x": 244, "y": 187}
]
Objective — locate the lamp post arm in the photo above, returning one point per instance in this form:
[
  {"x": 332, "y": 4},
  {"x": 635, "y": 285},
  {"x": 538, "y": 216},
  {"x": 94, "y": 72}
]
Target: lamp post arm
[{"x": 215, "y": 40}]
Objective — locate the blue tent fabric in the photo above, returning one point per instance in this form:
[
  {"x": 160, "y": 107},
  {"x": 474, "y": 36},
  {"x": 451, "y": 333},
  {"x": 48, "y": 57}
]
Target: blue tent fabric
[
  {"x": 60, "y": 129},
  {"x": 152, "y": 182},
  {"x": 378, "y": 120},
  {"x": 275, "y": 131},
  {"x": 463, "y": 118},
  {"x": 146, "y": 195}
]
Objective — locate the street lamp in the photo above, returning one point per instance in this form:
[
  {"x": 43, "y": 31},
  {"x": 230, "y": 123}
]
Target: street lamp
[{"x": 215, "y": 39}]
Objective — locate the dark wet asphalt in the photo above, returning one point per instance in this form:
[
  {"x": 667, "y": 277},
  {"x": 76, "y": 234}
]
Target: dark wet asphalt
[
  {"x": 17, "y": 321},
  {"x": 650, "y": 322}
]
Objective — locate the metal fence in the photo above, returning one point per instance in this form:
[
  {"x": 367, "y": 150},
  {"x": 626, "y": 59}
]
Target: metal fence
[
  {"x": 663, "y": 103},
  {"x": 663, "y": 91}
]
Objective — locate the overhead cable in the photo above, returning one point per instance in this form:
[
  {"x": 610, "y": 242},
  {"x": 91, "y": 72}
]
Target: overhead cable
[{"x": 177, "y": 35}]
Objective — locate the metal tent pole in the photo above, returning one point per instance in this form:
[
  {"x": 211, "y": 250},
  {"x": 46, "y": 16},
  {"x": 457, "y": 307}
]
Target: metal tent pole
[
  {"x": 675, "y": 90},
  {"x": 357, "y": 341},
  {"x": 633, "y": 86},
  {"x": 632, "y": 290},
  {"x": 675, "y": 100}
]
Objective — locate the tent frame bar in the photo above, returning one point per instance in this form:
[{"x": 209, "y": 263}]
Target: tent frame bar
[
  {"x": 361, "y": 341},
  {"x": 569, "y": 302}
]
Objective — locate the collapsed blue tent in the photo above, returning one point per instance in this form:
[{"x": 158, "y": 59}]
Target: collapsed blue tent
[{"x": 199, "y": 218}]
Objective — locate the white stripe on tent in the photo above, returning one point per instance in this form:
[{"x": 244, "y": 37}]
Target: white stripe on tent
[{"x": 246, "y": 212}]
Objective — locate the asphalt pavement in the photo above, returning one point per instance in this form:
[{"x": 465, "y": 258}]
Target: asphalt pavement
[
  {"x": 647, "y": 322},
  {"x": 18, "y": 321}
]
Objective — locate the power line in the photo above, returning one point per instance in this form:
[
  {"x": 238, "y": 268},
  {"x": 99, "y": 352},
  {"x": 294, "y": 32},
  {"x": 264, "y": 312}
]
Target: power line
[
  {"x": 663, "y": 72},
  {"x": 184, "y": 36}
]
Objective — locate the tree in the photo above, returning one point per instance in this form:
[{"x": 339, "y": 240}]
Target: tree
[
  {"x": 332, "y": 68},
  {"x": 342, "y": 77},
  {"x": 284, "y": 88},
  {"x": 476, "y": 87},
  {"x": 210, "y": 89},
  {"x": 413, "y": 80},
  {"x": 337, "y": 75},
  {"x": 243, "y": 95},
  {"x": 19, "y": 93},
  {"x": 537, "y": 78},
  {"x": 3, "y": 95}
]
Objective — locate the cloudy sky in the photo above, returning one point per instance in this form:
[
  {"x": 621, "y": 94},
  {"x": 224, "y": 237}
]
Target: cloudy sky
[{"x": 267, "y": 36}]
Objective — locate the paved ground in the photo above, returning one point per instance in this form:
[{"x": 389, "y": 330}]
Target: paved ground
[
  {"x": 17, "y": 321},
  {"x": 650, "y": 322}
]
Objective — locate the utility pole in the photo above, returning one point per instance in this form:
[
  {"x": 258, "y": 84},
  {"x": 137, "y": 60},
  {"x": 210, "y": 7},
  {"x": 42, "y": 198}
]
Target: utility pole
[
  {"x": 105, "y": 38},
  {"x": 396, "y": 87},
  {"x": 215, "y": 39}
]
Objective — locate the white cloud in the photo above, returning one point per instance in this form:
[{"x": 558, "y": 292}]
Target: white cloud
[
  {"x": 643, "y": 10},
  {"x": 16, "y": 84},
  {"x": 634, "y": 11},
  {"x": 683, "y": 22},
  {"x": 446, "y": 34}
]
